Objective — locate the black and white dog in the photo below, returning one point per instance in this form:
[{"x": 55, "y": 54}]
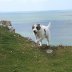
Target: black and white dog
[{"x": 41, "y": 32}]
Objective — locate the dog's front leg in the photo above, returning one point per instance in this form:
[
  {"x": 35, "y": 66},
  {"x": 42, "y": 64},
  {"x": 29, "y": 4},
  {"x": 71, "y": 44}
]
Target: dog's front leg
[
  {"x": 39, "y": 41},
  {"x": 36, "y": 39}
]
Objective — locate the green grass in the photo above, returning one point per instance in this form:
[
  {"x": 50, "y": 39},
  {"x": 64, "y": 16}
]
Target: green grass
[{"x": 18, "y": 54}]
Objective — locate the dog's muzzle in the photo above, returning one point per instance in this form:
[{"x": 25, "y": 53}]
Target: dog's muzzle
[{"x": 35, "y": 32}]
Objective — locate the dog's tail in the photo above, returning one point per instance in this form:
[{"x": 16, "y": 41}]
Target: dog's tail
[{"x": 49, "y": 25}]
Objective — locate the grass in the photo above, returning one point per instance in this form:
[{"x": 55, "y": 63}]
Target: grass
[{"x": 18, "y": 54}]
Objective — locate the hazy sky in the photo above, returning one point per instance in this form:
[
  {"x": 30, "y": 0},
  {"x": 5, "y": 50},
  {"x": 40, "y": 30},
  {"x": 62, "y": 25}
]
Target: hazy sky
[{"x": 34, "y": 5}]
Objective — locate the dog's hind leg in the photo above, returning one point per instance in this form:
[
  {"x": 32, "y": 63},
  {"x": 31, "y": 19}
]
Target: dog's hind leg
[{"x": 48, "y": 41}]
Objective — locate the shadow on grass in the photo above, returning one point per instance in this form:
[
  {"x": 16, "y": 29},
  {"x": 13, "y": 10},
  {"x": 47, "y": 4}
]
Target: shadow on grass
[{"x": 50, "y": 50}]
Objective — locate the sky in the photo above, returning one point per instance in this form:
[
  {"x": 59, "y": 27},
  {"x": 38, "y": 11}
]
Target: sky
[{"x": 34, "y": 5}]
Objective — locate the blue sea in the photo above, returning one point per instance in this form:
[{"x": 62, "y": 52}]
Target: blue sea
[{"x": 61, "y": 24}]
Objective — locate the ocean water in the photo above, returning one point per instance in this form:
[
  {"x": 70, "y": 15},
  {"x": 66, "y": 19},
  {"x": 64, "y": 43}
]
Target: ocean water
[{"x": 61, "y": 24}]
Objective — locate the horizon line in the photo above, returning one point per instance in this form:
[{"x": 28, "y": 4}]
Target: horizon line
[{"x": 31, "y": 11}]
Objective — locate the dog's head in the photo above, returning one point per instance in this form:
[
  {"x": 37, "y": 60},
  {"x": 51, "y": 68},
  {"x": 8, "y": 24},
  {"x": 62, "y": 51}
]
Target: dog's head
[{"x": 36, "y": 28}]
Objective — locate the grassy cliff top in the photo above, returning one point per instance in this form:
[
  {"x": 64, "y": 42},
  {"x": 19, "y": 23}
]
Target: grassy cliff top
[{"x": 18, "y": 54}]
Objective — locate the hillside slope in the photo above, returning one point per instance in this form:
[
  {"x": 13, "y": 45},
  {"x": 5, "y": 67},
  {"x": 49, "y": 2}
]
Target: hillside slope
[{"x": 18, "y": 54}]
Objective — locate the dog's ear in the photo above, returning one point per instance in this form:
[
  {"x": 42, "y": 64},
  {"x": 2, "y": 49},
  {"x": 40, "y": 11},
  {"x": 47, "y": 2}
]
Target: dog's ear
[
  {"x": 38, "y": 27},
  {"x": 33, "y": 27}
]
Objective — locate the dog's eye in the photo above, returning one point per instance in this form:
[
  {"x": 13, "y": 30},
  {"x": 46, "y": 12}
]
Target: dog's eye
[
  {"x": 37, "y": 28},
  {"x": 32, "y": 27}
]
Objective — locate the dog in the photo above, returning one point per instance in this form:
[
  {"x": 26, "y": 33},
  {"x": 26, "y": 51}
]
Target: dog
[{"x": 41, "y": 32}]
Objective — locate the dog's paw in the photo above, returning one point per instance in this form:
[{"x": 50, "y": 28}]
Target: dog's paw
[{"x": 40, "y": 44}]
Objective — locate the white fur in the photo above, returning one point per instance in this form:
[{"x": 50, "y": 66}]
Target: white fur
[{"x": 41, "y": 34}]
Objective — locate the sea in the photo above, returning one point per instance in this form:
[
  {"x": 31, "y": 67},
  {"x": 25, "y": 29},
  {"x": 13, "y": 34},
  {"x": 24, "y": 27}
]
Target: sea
[{"x": 61, "y": 24}]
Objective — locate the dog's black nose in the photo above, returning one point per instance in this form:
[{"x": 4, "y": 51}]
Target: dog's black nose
[{"x": 34, "y": 31}]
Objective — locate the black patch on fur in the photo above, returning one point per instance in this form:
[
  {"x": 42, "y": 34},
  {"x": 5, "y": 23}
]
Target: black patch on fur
[
  {"x": 38, "y": 27},
  {"x": 45, "y": 31}
]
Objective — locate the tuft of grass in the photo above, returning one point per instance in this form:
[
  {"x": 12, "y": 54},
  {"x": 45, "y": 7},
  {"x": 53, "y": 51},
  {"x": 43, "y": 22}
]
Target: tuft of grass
[{"x": 18, "y": 54}]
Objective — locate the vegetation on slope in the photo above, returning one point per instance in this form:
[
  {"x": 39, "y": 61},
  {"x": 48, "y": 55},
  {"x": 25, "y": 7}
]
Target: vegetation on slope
[{"x": 18, "y": 54}]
